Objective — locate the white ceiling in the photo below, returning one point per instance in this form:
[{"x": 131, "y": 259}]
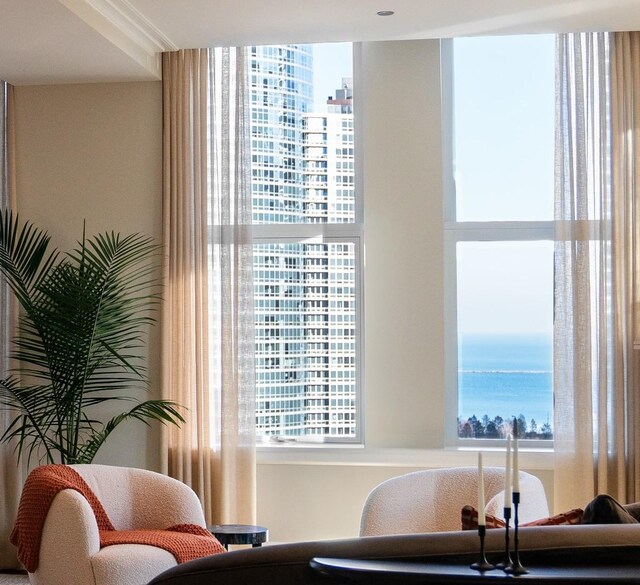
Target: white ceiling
[{"x": 81, "y": 41}]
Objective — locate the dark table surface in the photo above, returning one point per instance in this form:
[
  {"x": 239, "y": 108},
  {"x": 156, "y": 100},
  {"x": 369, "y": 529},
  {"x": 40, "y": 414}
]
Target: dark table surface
[{"x": 406, "y": 572}]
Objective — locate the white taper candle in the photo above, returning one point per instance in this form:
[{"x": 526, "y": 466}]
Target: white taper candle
[
  {"x": 481, "y": 517},
  {"x": 507, "y": 476},
  {"x": 516, "y": 466}
]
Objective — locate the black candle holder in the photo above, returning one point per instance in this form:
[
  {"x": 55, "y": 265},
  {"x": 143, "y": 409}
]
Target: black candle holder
[
  {"x": 483, "y": 564},
  {"x": 507, "y": 551},
  {"x": 516, "y": 567}
]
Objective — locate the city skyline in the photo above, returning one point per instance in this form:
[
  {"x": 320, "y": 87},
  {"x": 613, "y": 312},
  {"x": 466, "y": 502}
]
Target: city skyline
[{"x": 305, "y": 298}]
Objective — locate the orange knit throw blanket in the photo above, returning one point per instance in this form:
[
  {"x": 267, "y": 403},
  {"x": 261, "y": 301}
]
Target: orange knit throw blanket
[{"x": 185, "y": 541}]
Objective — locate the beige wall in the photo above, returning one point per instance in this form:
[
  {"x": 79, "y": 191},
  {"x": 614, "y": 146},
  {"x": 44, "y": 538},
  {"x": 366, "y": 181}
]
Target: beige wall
[
  {"x": 94, "y": 152},
  {"x": 316, "y": 500},
  {"x": 404, "y": 302}
]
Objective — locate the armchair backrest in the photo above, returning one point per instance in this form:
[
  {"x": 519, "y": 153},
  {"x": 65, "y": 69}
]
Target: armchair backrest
[
  {"x": 431, "y": 500},
  {"x": 138, "y": 498}
]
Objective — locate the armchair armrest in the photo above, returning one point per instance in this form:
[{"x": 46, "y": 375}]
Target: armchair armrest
[{"x": 69, "y": 539}]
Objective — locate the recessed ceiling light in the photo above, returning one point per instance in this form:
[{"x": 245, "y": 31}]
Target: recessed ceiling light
[{"x": 385, "y": 13}]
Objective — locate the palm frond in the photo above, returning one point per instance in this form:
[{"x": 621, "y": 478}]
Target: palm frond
[
  {"x": 159, "y": 410},
  {"x": 23, "y": 256},
  {"x": 36, "y": 412}
]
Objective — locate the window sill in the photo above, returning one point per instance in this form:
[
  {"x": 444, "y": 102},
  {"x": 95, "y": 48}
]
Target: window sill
[{"x": 358, "y": 455}]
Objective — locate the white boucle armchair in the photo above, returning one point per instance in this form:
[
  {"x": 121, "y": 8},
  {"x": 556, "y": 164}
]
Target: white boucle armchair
[
  {"x": 70, "y": 552},
  {"x": 432, "y": 500}
]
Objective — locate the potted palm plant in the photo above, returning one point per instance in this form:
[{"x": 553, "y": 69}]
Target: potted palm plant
[{"x": 83, "y": 321}]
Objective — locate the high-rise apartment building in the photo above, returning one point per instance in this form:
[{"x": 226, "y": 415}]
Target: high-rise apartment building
[{"x": 305, "y": 298}]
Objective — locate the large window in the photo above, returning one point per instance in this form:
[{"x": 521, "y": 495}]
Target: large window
[
  {"x": 307, "y": 243},
  {"x": 499, "y": 231}
]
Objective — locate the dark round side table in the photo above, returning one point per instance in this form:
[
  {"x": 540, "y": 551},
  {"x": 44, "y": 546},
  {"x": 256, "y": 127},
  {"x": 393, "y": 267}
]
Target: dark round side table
[{"x": 239, "y": 534}]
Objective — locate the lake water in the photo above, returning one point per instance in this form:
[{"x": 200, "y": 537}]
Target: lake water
[{"x": 506, "y": 376}]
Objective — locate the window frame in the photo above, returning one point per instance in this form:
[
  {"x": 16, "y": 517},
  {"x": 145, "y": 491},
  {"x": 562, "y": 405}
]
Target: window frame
[
  {"x": 333, "y": 233},
  {"x": 468, "y": 231}
]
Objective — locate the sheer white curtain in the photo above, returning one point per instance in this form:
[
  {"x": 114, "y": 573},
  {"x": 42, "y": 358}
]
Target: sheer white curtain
[
  {"x": 595, "y": 274},
  {"x": 12, "y": 477},
  {"x": 208, "y": 336}
]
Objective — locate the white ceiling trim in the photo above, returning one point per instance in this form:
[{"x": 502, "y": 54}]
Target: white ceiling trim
[{"x": 124, "y": 26}]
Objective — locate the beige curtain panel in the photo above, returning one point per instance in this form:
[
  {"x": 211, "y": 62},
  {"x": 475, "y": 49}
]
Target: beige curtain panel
[
  {"x": 12, "y": 476},
  {"x": 622, "y": 471},
  {"x": 207, "y": 321},
  {"x": 596, "y": 269}
]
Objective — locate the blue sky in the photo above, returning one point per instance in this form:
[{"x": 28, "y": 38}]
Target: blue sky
[
  {"x": 504, "y": 135},
  {"x": 332, "y": 62},
  {"x": 504, "y": 115}
]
